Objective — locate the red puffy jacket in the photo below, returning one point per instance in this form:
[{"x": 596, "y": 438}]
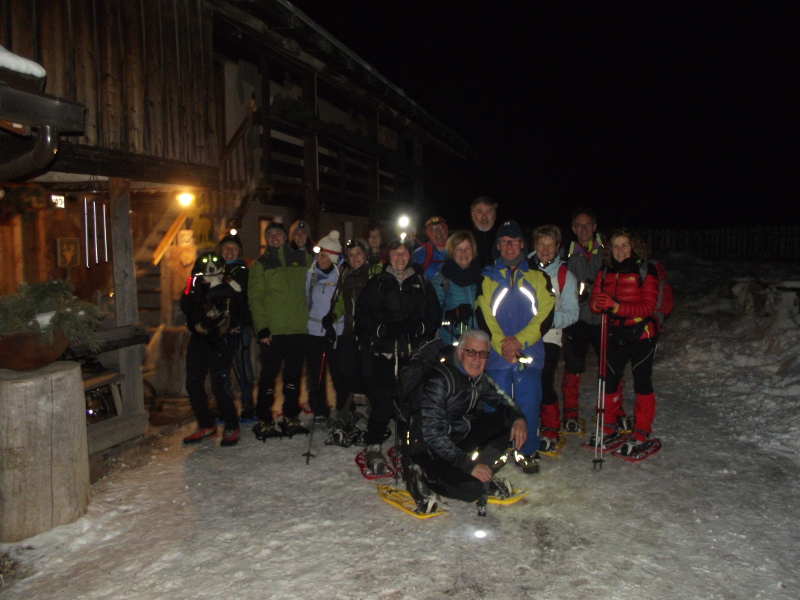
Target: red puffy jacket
[{"x": 635, "y": 302}]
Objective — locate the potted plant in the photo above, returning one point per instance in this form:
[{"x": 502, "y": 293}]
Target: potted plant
[{"x": 39, "y": 322}]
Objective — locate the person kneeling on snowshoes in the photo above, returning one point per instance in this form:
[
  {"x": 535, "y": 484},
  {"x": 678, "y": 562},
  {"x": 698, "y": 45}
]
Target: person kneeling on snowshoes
[{"x": 453, "y": 443}]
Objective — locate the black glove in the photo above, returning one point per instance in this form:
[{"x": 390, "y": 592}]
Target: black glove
[
  {"x": 327, "y": 321},
  {"x": 330, "y": 334}
]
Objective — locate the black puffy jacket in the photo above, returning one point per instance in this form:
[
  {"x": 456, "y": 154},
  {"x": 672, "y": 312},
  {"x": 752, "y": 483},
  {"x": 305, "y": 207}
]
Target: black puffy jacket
[
  {"x": 384, "y": 304},
  {"x": 451, "y": 400}
]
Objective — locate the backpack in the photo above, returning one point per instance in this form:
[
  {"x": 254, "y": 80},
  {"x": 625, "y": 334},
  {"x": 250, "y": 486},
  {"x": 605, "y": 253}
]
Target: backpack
[
  {"x": 665, "y": 302},
  {"x": 411, "y": 380}
]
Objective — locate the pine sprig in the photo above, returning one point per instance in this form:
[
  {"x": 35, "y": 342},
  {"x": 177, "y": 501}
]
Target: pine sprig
[{"x": 45, "y": 308}]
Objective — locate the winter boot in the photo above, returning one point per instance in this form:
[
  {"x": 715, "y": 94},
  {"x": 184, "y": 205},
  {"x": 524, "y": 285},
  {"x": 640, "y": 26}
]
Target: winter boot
[
  {"x": 608, "y": 437},
  {"x": 548, "y": 444},
  {"x": 570, "y": 388},
  {"x": 204, "y": 433},
  {"x": 230, "y": 437},
  {"x": 501, "y": 460},
  {"x": 638, "y": 442},
  {"x": 573, "y": 426},
  {"x": 264, "y": 430},
  {"x": 500, "y": 488},
  {"x": 528, "y": 463},
  {"x": 248, "y": 413},
  {"x": 624, "y": 424},
  {"x": 291, "y": 426},
  {"x": 375, "y": 460}
]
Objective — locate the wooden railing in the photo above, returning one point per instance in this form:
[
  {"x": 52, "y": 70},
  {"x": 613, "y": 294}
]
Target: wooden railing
[{"x": 760, "y": 242}]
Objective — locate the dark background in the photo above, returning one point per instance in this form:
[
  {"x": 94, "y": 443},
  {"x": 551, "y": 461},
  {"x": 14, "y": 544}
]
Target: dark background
[{"x": 658, "y": 114}]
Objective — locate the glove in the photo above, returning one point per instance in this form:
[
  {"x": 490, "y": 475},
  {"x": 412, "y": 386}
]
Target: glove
[
  {"x": 327, "y": 321},
  {"x": 330, "y": 333},
  {"x": 603, "y": 301}
]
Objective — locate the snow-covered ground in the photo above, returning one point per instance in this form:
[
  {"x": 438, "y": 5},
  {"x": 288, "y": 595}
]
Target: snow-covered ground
[{"x": 715, "y": 515}]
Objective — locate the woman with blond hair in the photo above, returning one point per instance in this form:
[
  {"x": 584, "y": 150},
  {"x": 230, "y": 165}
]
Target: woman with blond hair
[{"x": 456, "y": 283}]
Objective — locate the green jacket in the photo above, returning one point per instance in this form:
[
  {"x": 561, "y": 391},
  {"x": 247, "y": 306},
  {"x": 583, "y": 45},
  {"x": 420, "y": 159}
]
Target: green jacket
[{"x": 276, "y": 292}]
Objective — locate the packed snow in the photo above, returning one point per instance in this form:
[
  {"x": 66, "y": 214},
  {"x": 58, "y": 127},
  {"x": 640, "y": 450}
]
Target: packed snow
[
  {"x": 18, "y": 64},
  {"x": 714, "y": 515}
]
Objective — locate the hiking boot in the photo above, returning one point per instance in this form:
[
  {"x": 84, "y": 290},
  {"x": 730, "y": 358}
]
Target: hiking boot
[
  {"x": 264, "y": 430},
  {"x": 375, "y": 459},
  {"x": 633, "y": 446},
  {"x": 248, "y": 413},
  {"x": 201, "y": 434},
  {"x": 572, "y": 425},
  {"x": 291, "y": 426},
  {"x": 607, "y": 439},
  {"x": 547, "y": 444},
  {"x": 501, "y": 461},
  {"x": 500, "y": 488},
  {"x": 230, "y": 437},
  {"x": 624, "y": 424},
  {"x": 528, "y": 463}
]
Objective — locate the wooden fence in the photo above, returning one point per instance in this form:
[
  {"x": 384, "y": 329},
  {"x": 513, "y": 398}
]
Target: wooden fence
[{"x": 779, "y": 242}]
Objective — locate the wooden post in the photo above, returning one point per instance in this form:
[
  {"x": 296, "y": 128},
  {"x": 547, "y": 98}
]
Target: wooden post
[
  {"x": 133, "y": 421},
  {"x": 44, "y": 462}
]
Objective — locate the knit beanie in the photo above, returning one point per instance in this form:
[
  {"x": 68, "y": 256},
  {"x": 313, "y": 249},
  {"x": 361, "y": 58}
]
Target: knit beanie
[
  {"x": 230, "y": 238},
  {"x": 276, "y": 225},
  {"x": 330, "y": 243}
]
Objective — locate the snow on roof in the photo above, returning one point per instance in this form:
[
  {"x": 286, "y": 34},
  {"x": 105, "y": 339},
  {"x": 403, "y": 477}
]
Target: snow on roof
[{"x": 12, "y": 62}]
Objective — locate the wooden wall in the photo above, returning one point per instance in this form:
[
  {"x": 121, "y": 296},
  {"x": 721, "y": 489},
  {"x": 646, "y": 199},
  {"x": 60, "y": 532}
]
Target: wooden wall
[{"x": 142, "y": 68}]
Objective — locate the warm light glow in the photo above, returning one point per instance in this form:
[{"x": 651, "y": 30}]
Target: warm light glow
[
  {"x": 403, "y": 221},
  {"x": 185, "y": 199}
]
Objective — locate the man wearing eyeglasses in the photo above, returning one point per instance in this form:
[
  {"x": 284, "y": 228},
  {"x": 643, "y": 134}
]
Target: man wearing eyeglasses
[
  {"x": 431, "y": 254},
  {"x": 515, "y": 306},
  {"x": 453, "y": 440}
]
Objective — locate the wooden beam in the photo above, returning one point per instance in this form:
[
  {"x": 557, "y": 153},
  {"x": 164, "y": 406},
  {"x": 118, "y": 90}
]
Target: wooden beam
[
  {"x": 29, "y": 108},
  {"x": 73, "y": 158}
]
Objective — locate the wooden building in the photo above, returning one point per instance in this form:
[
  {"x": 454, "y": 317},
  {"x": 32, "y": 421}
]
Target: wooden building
[{"x": 249, "y": 106}]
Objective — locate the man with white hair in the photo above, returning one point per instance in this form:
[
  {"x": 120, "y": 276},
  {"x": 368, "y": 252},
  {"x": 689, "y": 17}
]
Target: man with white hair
[{"x": 452, "y": 439}]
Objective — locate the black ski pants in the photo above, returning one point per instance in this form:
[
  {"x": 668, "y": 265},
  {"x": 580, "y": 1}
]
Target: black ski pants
[
  {"x": 576, "y": 340},
  {"x": 489, "y": 434},
  {"x": 205, "y": 355},
  {"x": 289, "y": 350}
]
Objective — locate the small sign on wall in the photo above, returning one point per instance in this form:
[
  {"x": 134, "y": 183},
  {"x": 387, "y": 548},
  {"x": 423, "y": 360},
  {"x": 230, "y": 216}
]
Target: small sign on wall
[{"x": 68, "y": 250}]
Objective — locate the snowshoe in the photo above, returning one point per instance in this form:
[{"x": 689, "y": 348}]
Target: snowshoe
[
  {"x": 291, "y": 426},
  {"x": 343, "y": 435},
  {"x": 375, "y": 460},
  {"x": 263, "y": 431},
  {"x": 551, "y": 446},
  {"x": 367, "y": 470},
  {"x": 609, "y": 441},
  {"x": 639, "y": 450}
]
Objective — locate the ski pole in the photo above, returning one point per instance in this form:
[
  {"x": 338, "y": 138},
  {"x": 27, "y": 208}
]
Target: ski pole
[
  {"x": 308, "y": 454},
  {"x": 601, "y": 393},
  {"x": 396, "y": 422}
]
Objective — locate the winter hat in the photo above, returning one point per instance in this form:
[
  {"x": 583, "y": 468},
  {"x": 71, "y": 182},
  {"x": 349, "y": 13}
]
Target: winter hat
[
  {"x": 510, "y": 229},
  {"x": 330, "y": 243},
  {"x": 230, "y": 238},
  {"x": 358, "y": 243},
  {"x": 276, "y": 225}
]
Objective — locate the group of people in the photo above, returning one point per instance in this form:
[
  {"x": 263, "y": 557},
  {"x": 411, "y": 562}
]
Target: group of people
[{"x": 505, "y": 315}]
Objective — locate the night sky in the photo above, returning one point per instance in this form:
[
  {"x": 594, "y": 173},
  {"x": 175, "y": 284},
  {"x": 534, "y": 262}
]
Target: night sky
[{"x": 655, "y": 114}]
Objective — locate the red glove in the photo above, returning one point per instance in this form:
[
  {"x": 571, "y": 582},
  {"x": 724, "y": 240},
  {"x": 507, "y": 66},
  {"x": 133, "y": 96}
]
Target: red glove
[{"x": 603, "y": 301}]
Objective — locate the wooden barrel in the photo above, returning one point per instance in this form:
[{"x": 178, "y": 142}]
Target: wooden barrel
[{"x": 44, "y": 460}]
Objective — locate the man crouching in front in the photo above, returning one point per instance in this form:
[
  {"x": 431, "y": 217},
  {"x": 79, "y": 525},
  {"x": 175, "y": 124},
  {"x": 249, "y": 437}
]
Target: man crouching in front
[{"x": 453, "y": 441}]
